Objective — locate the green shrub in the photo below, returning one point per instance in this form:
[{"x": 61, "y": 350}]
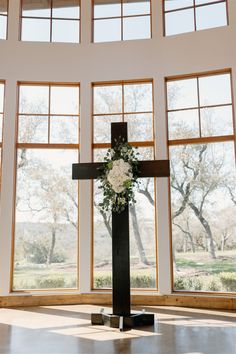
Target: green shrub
[
  {"x": 188, "y": 283},
  {"x": 58, "y": 257},
  {"x": 142, "y": 281},
  {"x": 102, "y": 281},
  {"x": 212, "y": 284},
  {"x": 136, "y": 281},
  {"x": 228, "y": 281},
  {"x": 50, "y": 282},
  {"x": 195, "y": 283},
  {"x": 36, "y": 251},
  {"x": 179, "y": 283}
]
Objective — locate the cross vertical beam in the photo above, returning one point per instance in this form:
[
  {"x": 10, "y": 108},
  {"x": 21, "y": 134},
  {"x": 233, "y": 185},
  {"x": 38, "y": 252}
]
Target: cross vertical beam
[
  {"x": 121, "y": 316},
  {"x": 120, "y": 245}
]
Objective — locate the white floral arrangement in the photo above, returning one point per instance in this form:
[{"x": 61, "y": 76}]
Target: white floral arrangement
[{"x": 119, "y": 177}]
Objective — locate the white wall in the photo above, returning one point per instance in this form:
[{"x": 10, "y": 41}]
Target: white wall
[{"x": 156, "y": 58}]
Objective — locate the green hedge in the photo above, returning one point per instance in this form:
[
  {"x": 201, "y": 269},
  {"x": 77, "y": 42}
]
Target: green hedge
[
  {"x": 50, "y": 282},
  {"x": 228, "y": 280},
  {"x": 137, "y": 281},
  {"x": 224, "y": 281}
]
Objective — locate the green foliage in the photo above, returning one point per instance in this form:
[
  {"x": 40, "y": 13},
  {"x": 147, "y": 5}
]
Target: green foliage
[
  {"x": 36, "y": 250},
  {"x": 199, "y": 261},
  {"x": 197, "y": 283},
  {"x": 142, "y": 281},
  {"x": 228, "y": 280},
  {"x": 102, "y": 281},
  {"x": 58, "y": 257},
  {"x": 41, "y": 276},
  {"x": 136, "y": 280},
  {"x": 188, "y": 283},
  {"x": 112, "y": 200},
  {"x": 179, "y": 283},
  {"x": 213, "y": 284},
  {"x": 50, "y": 283}
]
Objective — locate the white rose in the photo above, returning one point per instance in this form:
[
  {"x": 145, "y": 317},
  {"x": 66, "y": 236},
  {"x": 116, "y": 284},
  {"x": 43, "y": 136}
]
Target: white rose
[{"x": 118, "y": 175}]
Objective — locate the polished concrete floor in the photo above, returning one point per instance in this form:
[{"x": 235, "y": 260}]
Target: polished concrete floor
[{"x": 67, "y": 330}]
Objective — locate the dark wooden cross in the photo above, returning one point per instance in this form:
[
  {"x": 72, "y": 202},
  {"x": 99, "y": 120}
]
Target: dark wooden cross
[{"x": 120, "y": 235}]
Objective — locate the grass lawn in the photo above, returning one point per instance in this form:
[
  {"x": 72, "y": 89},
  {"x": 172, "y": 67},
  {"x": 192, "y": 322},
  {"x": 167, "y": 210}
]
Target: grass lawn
[{"x": 201, "y": 261}]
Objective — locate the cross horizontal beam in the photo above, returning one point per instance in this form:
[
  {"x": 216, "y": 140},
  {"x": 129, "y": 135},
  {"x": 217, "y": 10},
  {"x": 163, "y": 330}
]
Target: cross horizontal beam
[{"x": 159, "y": 168}]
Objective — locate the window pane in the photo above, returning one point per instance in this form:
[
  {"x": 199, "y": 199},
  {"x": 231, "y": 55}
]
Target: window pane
[
  {"x": 64, "y": 130},
  {"x": 102, "y": 128},
  {"x": 64, "y": 100},
  {"x": 182, "y": 94},
  {"x": 68, "y": 9},
  {"x": 112, "y": 8},
  {"x": 34, "y": 99},
  {"x": 1, "y": 97},
  {"x": 179, "y": 22},
  {"x": 66, "y": 31},
  {"x": 33, "y": 129},
  {"x": 177, "y": 4},
  {"x": 36, "y": 8},
  {"x": 204, "y": 233},
  {"x": 107, "y": 30},
  {"x": 183, "y": 124},
  {"x": 136, "y": 7},
  {"x": 142, "y": 234},
  {"x": 146, "y": 153},
  {"x": 107, "y": 99},
  {"x": 3, "y": 27},
  {"x": 136, "y": 28},
  {"x": 46, "y": 220},
  {"x": 138, "y": 98},
  {"x": 217, "y": 121},
  {"x": 99, "y": 154},
  {"x": 36, "y": 30},
  {"x": 140, "y": 127},
  {"x": 215, "y": 89},
  {"x": 142, "y": 237},
  {"x": 211, "y": 16},
  {"x": 102, "y": 243}
]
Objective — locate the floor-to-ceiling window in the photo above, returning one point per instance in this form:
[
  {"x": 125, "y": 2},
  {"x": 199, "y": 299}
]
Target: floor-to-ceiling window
[
  {"x": 203, "y": 182},
  {"x": 130, "y": 102},
  {"x": 46, "y": 200}
]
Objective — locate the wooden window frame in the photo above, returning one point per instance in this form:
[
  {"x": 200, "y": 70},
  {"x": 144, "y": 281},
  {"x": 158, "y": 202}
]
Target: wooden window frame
[
  {"x": 191, "y": 141},
  {"x": 121, "y": 18},
  {"x": 50, "y": 18},
  {"x": 108, "y": 145},
  {"x": 194, "y": 7},
  {"x": 42, "y": 146}
]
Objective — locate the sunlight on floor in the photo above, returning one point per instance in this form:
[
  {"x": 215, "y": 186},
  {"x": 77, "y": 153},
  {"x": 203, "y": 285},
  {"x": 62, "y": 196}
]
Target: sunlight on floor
[{"x": 102, "y": 333}]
